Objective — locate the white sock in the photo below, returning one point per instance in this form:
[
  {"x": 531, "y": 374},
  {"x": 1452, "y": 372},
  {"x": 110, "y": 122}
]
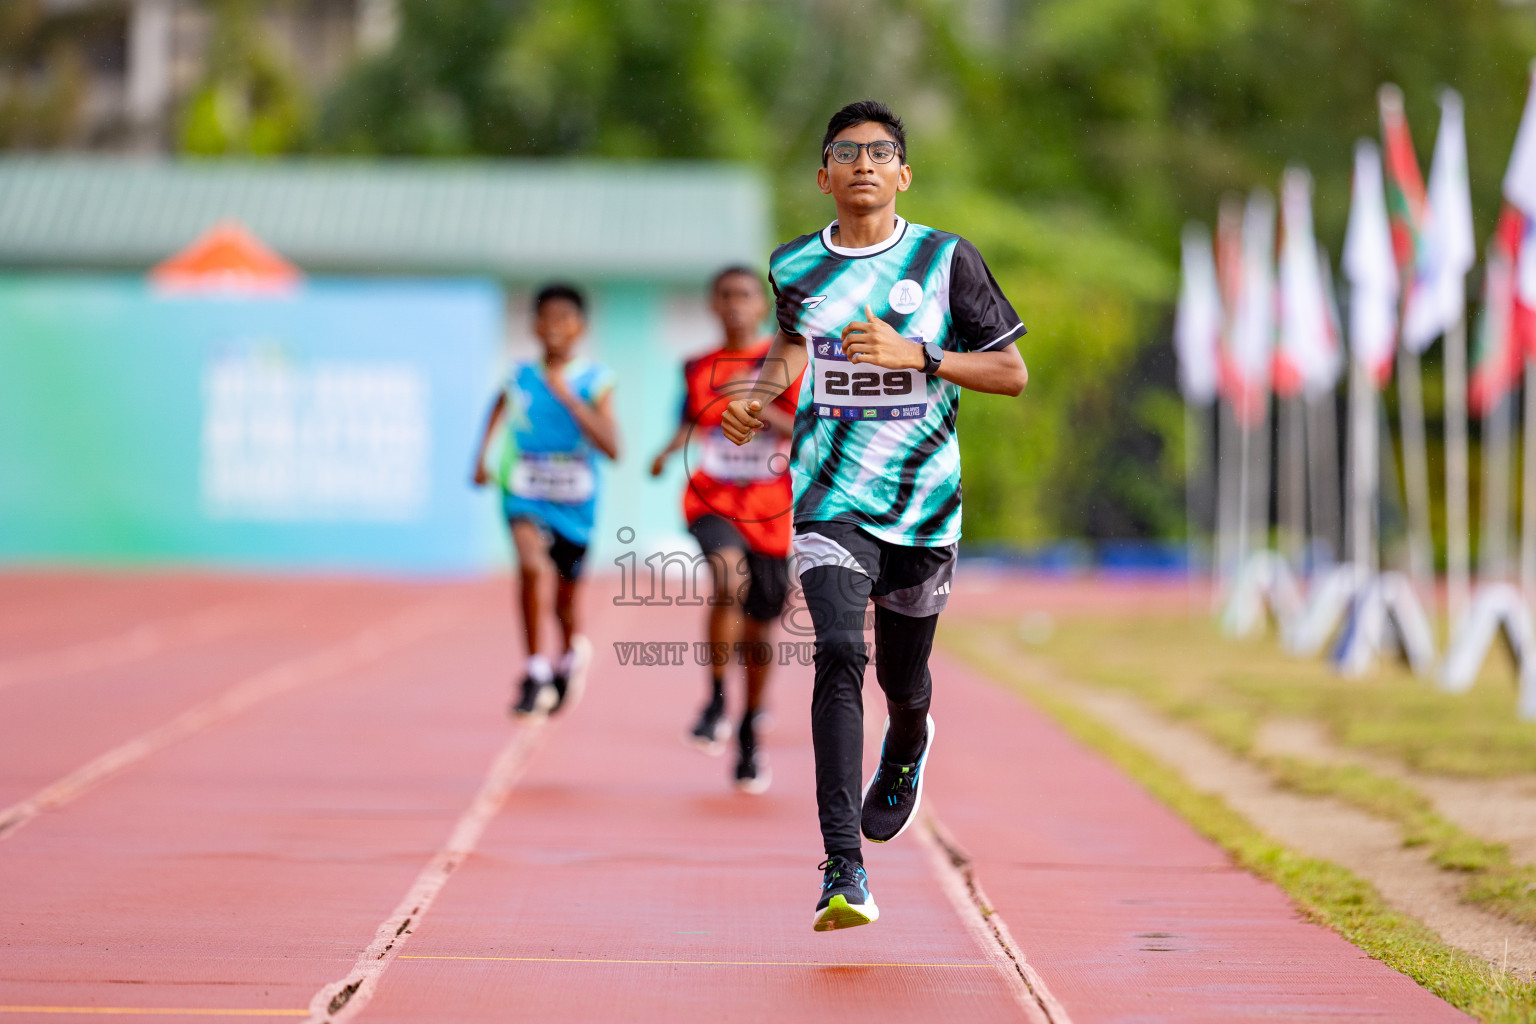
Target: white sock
[
  {"x": 568, "y": 661},
  {"x": 540, "y": 669}
]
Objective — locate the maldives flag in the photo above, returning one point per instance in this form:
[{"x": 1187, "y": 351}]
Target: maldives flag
[
  {"x": 1405, "y": 185},
  {"x": 1505, "y": 327}
]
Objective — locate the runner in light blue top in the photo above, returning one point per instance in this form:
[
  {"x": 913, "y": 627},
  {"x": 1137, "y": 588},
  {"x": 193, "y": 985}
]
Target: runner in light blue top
[
  {"x": 559, "y": 419},
  {"x": 549, "y": 474}
]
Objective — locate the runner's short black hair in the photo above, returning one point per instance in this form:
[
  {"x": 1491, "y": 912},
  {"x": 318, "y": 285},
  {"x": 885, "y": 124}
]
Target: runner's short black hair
[
  {"x": 865, "y": 112},
  {"x": 559, "y": 290},
  {"x": 731, "y": 271}
]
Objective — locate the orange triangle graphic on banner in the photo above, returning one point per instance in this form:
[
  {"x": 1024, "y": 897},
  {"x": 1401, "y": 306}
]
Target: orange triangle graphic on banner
[{"x": 226, "y": 257}]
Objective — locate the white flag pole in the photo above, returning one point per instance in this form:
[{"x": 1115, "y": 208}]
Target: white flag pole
[
  {"x": 1292, "y": 480},
  {"x": 1493, "y": 551},
  {"x": 1362, "y": 464},
  {"x": 1261, "y": 477},
  {"x": 1193, "y": 464},
  {"x": 1528, "y": 486},
  {"x": 1327, "y": 488},
  {"x": 1228, "y": 498},
  {"x": 1244, "y": 499},
  {"x": 1323, "y": 466},
  {"x": 1410, "y": 408},
  {"x": 1458, "y": 543}
]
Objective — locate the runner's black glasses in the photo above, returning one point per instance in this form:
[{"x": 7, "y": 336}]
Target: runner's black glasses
[{"x": 881, "y": 151}]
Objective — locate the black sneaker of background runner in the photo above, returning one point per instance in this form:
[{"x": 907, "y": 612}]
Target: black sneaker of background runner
[
  {"x": 536, "y": 698},
  {"x": 894, "y": 793},
  {"x": 712, "y": 729},
  {"x": 560, "y": 682},
  {"x": 752, "y": 773},
  {"x": 845, "y": 899}
]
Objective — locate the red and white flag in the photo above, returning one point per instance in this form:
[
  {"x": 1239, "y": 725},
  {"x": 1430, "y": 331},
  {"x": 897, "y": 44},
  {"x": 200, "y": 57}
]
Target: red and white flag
[
  {"x": 1197, "y": 324},
  {"x": 1506, "y": 333},
  {"x": 1370, "y": 268},
  {"x": 1520, "y": 193},
  {"x": 1308, "y": 358},
  {"x": 1504, "y": 328},
  {"x": 1250, "y": 326},
  {"x": 1446, "y": 252},
  {"x": 1404, "y": 183}
]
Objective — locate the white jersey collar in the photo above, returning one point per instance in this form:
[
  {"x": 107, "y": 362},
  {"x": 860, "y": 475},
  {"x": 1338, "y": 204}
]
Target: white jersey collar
[{"x": 895, "y": 236}]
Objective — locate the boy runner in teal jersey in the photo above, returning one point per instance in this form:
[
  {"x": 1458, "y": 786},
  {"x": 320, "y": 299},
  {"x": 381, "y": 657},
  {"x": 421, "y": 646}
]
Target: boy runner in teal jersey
[
  {"x": 559, "y": 418},
  {"x": 894, "y": 320}
]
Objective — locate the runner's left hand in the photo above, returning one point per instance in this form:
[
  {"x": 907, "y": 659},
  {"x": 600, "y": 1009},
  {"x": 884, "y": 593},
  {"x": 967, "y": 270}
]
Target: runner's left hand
[{"x": 872, "y": 340}]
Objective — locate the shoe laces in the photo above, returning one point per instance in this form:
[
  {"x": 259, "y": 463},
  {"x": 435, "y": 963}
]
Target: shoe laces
[
  {"x": 834, "y": 867},
  {"x": 899, "y": 779}
]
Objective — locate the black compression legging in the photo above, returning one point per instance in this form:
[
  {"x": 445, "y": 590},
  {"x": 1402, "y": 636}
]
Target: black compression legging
[{"x": 838, "y": 600}]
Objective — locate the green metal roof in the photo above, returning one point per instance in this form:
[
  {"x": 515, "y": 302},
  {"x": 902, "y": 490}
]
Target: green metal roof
[{"x": 514, "y": 219}]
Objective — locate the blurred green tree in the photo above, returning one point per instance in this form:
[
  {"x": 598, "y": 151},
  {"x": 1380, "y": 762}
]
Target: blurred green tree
[
  {"x": 42, "y": 82},
  {"x": 250, "y": 102}
]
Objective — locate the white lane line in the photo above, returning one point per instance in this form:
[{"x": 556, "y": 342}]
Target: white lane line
[
  {"x": 134, "y": 644},
  {"x": 368, "y": 645},
  {"x": 952, "y": 865},
  {"x": 344, "y": 999}
]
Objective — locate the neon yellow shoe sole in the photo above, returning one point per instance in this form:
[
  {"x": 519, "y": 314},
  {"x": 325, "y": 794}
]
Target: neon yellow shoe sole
[{"x": 839, "y": 913}]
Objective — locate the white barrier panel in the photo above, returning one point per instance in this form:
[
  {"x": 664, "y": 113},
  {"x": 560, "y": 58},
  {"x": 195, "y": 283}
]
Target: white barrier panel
[
  {"x": 1386, "y": 613},
  {"x": 1264, "y": 580},
  {"x": 1497, "y": 606},
  {"x": 1325, "y": 608}
]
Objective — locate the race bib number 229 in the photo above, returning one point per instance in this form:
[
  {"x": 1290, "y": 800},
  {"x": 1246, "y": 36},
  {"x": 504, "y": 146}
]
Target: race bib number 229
[{"x": 863, "y": 391}]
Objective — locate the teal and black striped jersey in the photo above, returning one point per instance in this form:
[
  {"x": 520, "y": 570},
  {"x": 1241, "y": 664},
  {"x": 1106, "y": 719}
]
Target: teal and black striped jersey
[{"x": 876, "y": 447}]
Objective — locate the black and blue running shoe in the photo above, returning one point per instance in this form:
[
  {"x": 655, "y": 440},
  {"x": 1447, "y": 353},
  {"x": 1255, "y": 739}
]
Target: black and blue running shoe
[
  {"x": 894, "y": 793},
  {"x": 845, "y": 899}
]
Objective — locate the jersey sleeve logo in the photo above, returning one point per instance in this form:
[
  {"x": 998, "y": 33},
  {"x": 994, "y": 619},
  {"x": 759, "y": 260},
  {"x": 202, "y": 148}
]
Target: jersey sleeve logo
[{"x": 906, "y": 295}]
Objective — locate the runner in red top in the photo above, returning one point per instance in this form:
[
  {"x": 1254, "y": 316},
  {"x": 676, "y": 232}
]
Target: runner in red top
[{"x": 738, "y": 506}]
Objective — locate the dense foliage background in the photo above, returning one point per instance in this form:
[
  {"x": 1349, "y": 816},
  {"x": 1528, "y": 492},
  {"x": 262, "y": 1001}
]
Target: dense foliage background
[{"x": 1070, "y": 139}]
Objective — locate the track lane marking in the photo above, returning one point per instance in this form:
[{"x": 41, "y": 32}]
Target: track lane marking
[
  {"x": 699, "y": 963},
  {"x": 343, "y": 999},
  {"x": 149, "y": 1011},
  {"x": 363, "y": 647},
  {"x": 957, "y": 877},
  {"x": 136, "y": 643}
]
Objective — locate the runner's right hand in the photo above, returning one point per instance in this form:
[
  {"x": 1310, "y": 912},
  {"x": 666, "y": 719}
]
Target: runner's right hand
[
  {"x": 482, "y": 477},
  {"x": 740, "y": 421}
]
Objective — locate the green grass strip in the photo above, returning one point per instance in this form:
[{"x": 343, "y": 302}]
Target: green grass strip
[
  {"x": 1325, "y": 892},
  {"x": 1494, "y": 881}
]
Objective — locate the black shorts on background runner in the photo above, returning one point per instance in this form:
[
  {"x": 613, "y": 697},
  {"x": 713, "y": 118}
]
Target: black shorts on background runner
[
  {"x": 564, "y": 552},
  {"x": 768, "y": 577}
]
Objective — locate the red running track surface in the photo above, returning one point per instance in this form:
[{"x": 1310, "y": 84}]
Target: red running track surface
[{"x": 245, "y": 865}]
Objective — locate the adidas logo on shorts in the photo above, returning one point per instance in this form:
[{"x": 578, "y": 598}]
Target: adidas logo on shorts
[{"x": 943, "y": 589}]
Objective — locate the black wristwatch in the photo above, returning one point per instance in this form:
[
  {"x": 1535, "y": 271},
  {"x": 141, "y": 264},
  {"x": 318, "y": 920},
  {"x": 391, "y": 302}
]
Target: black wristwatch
[{"x": 933, "y": 355}]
